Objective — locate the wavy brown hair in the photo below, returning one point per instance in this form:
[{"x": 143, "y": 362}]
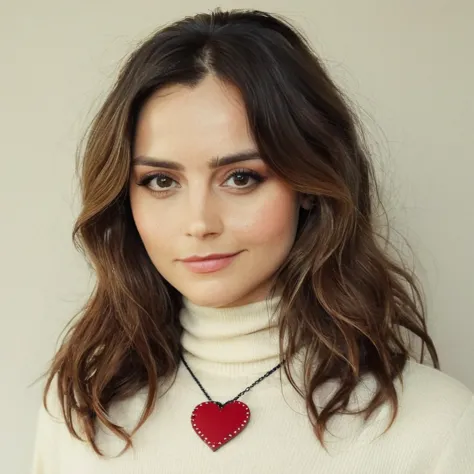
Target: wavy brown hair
[{"x": 345, "y": 298}]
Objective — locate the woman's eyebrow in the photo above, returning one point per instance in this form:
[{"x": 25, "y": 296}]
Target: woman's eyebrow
[{"x": 213, "y": 163}]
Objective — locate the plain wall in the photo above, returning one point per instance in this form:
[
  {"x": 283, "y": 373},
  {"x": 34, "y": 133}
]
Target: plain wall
[{"x": 408, "y": 65}]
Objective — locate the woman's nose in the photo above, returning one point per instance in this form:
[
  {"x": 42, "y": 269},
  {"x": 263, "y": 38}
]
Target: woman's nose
[{"x": 202, "y": 216}]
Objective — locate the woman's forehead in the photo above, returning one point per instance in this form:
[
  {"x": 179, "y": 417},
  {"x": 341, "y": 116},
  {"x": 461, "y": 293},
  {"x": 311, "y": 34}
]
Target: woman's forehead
[{"x": 188, "y": 124}]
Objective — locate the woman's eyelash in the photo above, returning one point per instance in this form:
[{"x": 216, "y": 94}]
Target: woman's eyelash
[
  {"x": 245, "y": 172},
  {"x": 146, "y": 180}
]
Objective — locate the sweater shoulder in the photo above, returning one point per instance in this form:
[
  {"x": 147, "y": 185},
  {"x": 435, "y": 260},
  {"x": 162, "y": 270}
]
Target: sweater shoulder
[
  {"x": 433, "y": 384},
  {"x": 428, "y": 388}
]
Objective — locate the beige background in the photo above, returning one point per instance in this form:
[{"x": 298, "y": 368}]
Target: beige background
[{"x": 407, "y": 64}]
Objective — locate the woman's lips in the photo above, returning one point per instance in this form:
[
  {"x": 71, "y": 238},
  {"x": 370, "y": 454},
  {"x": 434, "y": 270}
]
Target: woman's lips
[{"x": 210, "y": 265}]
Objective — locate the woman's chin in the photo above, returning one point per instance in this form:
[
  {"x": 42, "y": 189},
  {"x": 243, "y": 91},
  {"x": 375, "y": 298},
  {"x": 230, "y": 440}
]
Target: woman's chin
[
  {"x": 223, "y": 298},
  {"x": 211, "y": 301}
]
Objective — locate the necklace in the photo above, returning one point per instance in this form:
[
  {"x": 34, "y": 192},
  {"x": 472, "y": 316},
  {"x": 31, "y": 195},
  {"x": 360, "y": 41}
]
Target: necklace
[{"x": 217, "y": 423}]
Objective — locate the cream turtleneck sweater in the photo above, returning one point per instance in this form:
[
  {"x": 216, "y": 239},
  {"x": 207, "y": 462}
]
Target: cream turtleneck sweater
[{"x": 228, "y": 349}]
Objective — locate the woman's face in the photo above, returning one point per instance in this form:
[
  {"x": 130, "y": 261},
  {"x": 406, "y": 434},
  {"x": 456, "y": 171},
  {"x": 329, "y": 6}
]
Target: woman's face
[{"x": 189, "y": 198}]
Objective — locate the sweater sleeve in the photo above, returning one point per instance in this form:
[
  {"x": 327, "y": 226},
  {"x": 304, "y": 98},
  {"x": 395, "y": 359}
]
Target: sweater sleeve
[
  {"x": 42, "y": 450},
  {"x": 49, "y": 428},
  {"x": 458, "y": 454}
]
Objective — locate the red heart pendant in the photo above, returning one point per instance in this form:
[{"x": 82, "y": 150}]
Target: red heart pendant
[{"x": 217, "y": 424}]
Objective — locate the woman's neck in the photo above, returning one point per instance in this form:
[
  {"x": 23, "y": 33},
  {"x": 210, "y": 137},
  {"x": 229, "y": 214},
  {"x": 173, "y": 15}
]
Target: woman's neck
[{"x": 237, "y": 341}]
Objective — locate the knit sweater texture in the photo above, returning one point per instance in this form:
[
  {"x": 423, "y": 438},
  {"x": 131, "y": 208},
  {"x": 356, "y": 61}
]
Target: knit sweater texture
[{"x": 228, "y": 350}]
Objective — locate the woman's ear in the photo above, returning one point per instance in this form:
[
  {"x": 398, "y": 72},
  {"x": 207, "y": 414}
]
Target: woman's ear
[{"x": 306, "y": 201}]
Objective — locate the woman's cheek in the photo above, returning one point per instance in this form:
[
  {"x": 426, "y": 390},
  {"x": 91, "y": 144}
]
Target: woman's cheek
[{"x": 275, "y": 219}]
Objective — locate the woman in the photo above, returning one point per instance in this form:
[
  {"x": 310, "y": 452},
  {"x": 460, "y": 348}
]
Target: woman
[{"x": 246, "y": 317}]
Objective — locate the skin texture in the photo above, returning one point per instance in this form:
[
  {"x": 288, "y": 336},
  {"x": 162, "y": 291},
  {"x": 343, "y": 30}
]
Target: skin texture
[{"x": 203, "y": 210}]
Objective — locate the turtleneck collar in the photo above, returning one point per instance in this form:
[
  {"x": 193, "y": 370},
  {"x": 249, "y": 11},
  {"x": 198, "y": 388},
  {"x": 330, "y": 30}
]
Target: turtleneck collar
[{"x": 237, "y": 341}]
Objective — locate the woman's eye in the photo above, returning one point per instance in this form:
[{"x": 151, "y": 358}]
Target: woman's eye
[
  {"x": 161, "y": 184},
  {"x": 158, "y": 182},
  {"x": 164, "y": 181},
  {"x": 244, "y": 179}
]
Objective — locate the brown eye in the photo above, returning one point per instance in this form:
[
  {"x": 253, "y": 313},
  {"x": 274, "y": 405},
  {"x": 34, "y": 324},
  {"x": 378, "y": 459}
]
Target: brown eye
[
  {"x": 158, "y": 183},
  {"x": 244, "y": 179},
  {"x": 163, "y": 181},
  {"x": 241, "y": 179}
]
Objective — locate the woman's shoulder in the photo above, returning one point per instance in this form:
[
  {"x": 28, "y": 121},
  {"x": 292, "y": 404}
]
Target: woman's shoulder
[
  {"x": 439, "y": 409},
  {"x": 433, "y": 385},
  {"x": 428, "y": 388}
]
